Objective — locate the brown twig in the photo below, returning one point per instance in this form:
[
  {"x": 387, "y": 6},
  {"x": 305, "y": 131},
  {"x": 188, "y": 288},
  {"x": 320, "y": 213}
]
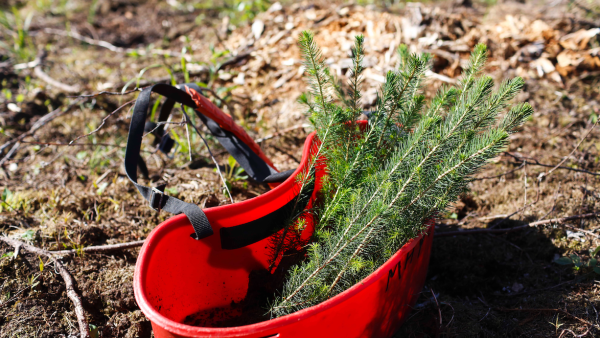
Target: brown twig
[
  {"x": 444, "y": 54},
  {"x": 523, "y": 164},
  {"x": 554, "y": 202},
  {"x": 571, "y": 153},
  {"x": 103, "y": 122},
  {"x": 112, "y": 47},
  {"x": 537, "y": 198},
  {"x": 73, "y": 144},
  {"x": 582, "y": 230},
  {"x": 66, "y": 276},
  {"x": 528, "y": 225},
  {"x": 100, "y": 248},
  {"x": 10, "y": 153},
  {"x": 583, "y": 321},
  {"x": 37, "y": 125},
  {"x": 110, "y": 93},
  {"x": 573, "y": 333},
  {"x": 46, "y": 78},
  {"x": 162, "y": 123},
  {"x": 534, "y": 161},
  {"x": 279, "y": 133}
]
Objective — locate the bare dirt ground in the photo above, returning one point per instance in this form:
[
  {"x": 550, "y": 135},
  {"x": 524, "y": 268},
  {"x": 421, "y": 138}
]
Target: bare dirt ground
[{"x": 56, "y": 197}]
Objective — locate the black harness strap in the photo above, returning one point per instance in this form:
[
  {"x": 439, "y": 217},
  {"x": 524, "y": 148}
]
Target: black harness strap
[
  {"x": 245, "y": 234},
  {"x": 233, "y": 237},
  {"x": 158, "y": 200},
  {"x": 254, "y": 166}
]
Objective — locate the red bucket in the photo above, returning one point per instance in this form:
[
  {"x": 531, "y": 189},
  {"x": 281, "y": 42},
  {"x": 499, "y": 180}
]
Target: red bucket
[{"x": 176, "y": 276}]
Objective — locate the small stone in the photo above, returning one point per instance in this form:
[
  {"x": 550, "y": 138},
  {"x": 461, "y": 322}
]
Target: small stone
[
  {"x": 225, "y": 76},
  {"x": 275, "y": 7},
  {"x": 517, "y": 287},
  {"x": 257, "y": 28},
  {"x": 240, "y": 79},
  {"x": 13, "y": 107}
]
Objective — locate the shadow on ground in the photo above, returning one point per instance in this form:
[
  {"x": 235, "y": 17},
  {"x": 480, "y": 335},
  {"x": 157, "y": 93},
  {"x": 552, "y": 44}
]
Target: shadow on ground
[{"x": 477, "y": 278}]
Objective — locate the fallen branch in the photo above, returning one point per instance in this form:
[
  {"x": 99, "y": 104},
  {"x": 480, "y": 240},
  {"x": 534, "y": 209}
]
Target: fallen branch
[
  {"x": 101, "y": 248},
  {"x": 10, "y": 153},
  {"x": 112, "y": 47},
  {"x": 534, "y": 161},
  {"x": 31, "y": 64},
  {"x": 440, "y": 77},
  {"x": 279, "y": 133},
  {"x": 46, "y": 78},
  {"x": 443, "y": 54},
  {"x": 526, "y": 226},
  {"x": 66, "y": 276}
]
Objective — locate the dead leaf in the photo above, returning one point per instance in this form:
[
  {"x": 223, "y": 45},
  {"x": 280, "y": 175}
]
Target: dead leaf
[
  {"x": 569, "y": 58},
  {"x": 578, "y": 40},
  {"x": 540, "y": 30}
]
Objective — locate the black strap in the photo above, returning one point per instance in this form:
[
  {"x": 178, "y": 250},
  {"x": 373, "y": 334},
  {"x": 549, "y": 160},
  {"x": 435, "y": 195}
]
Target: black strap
[
  {"x": 254, "y": 166},
  {"x": 233, "y": 237},
  {"x": 158, "y": 200},
  {"x": 245, "y": 234}
]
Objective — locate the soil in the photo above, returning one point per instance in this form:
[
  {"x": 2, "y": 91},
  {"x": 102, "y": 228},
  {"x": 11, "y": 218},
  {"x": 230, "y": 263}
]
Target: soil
[
  {"x": 262, "y": 285},
  {"x": 56, "y": 196}
]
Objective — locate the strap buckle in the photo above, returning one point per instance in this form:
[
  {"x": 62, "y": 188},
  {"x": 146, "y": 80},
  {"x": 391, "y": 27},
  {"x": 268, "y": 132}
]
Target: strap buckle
[{"x": 156, "y": 199}]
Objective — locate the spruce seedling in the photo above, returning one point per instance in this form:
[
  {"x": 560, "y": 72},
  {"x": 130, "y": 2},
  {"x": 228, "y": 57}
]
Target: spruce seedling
[{"x": 407, "y": 165}]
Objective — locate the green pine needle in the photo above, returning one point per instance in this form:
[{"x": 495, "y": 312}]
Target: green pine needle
[{"x": 412, "y": 161}]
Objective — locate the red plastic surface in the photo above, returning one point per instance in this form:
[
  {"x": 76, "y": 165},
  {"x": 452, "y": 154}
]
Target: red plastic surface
[{"x": 176, "y": 276}]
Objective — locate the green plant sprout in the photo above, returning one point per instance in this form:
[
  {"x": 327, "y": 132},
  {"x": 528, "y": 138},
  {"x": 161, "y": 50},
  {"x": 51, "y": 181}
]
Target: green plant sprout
[
  {"x": 13, "y": 25},
  {"x": 557, "y": 324},
  {"x": 9, "y": 254},
  {"x": 32, "y": 281},
  {"x": 578, "y": 264},
  {"x": 233, "y": 173}
]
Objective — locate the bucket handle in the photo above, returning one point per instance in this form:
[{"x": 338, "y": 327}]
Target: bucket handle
[{"x": 232, "y": 137}]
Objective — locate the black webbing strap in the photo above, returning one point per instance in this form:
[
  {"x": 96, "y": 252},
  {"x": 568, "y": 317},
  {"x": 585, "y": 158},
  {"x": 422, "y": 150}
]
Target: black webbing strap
[
  {"x": 158, "y": 200},
  {"x": 233, "y": 237},
  {"x": 254, "y": 166},
  {"x": 245, "y": 234}
]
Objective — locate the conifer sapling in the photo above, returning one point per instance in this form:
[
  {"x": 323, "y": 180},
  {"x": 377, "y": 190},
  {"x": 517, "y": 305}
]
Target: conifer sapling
[{"x": 384, "y": 180}]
